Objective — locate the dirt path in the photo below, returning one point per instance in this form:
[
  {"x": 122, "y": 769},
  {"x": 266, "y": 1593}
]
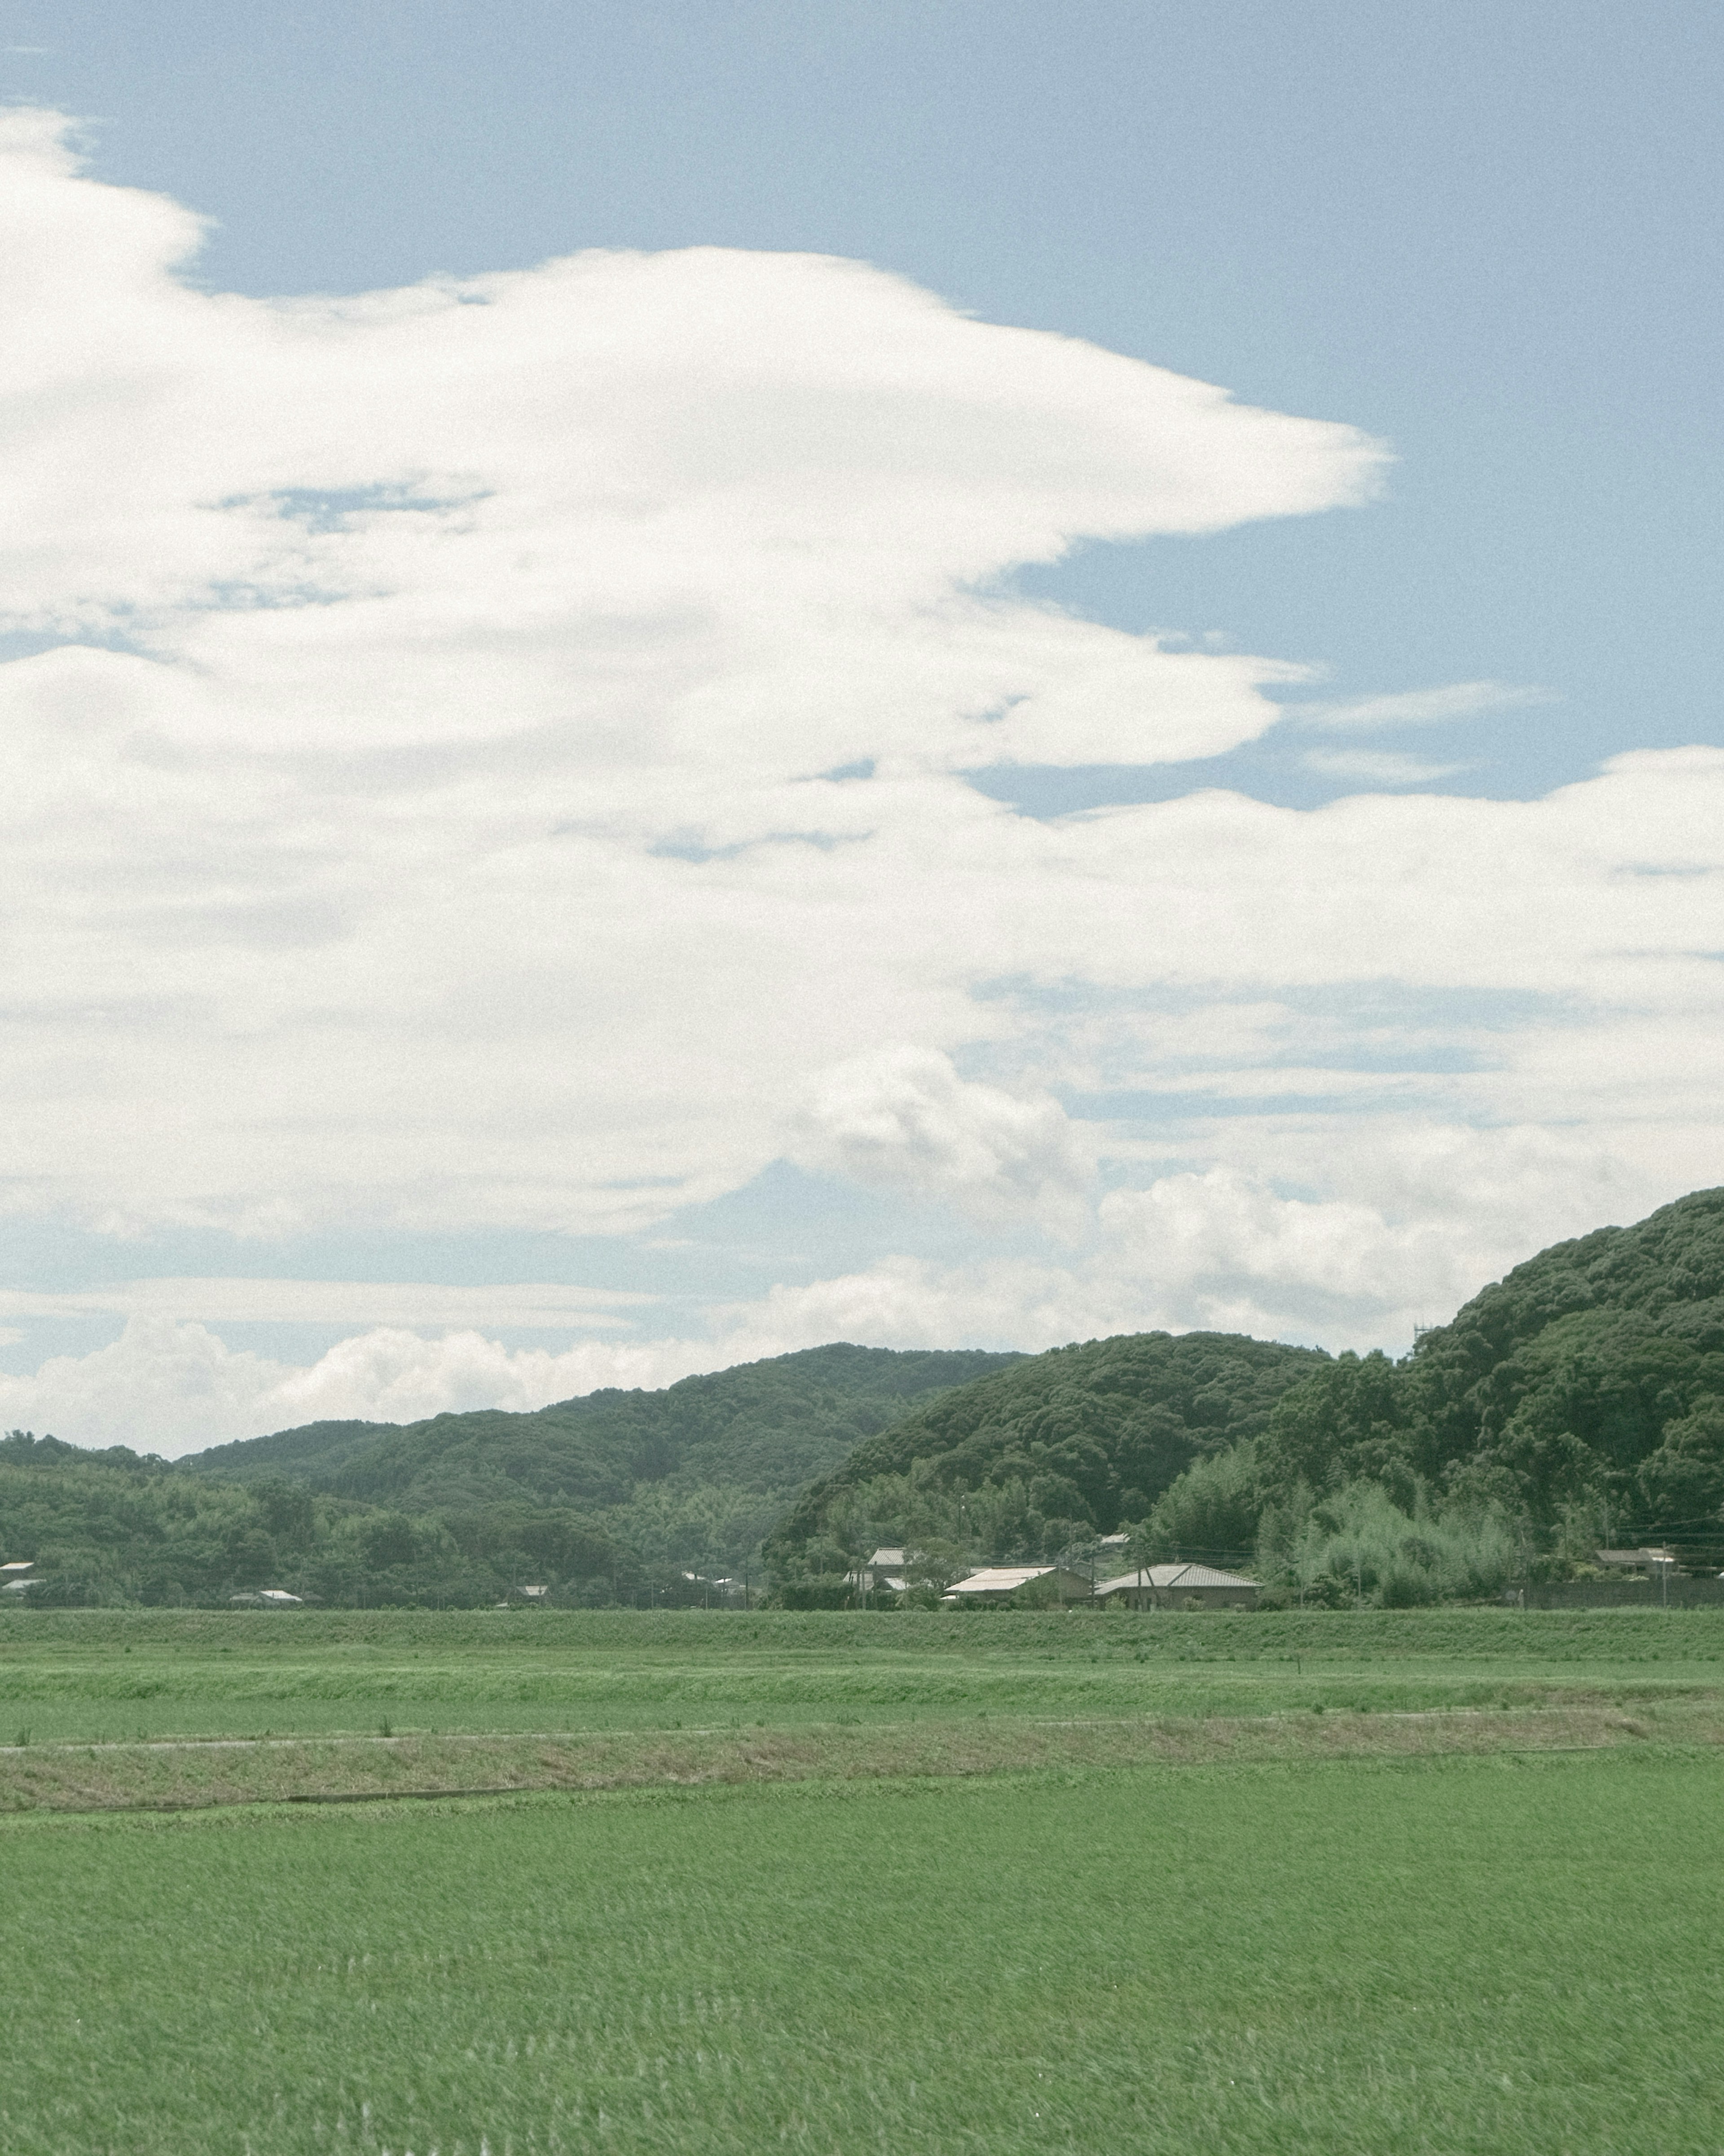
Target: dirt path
[{"x": 196, "y": 1773}]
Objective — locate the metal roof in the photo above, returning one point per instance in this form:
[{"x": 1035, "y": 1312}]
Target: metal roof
[
  {"x": 1006, "y": 1578},
  {"x": 1165, "y": 1576}
]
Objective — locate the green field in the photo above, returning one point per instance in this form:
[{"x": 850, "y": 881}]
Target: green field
[
  {"x": 1470, "y": 1955},
  {"x": 95, "y": 1675},
  {"x": 917, "y": 1946}
]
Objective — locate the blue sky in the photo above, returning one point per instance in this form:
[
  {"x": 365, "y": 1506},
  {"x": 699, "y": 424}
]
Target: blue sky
[{"x": 1484, "y": 238}]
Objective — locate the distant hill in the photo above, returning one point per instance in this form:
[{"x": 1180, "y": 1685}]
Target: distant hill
[
  {"x": 1024, "y": 1461},
  {"x": 1581, "y": 1396},
  {"x": 763, "y": 1427},
  {"x": 618, "y": 1494}
]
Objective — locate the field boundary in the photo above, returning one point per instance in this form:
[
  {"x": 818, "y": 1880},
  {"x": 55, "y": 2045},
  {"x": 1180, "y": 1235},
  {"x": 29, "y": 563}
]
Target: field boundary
[{"x": 212, "y": 1773}]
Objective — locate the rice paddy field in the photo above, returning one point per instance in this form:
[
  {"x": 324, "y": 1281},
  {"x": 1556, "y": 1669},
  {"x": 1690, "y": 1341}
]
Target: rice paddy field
[{"x": 1419, "y": 1881}]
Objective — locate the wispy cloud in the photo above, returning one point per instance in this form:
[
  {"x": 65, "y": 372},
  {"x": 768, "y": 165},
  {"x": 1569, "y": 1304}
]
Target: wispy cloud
[
  {"x": 251, "y": 1302},
  {"x": 1375, "y": 768},
  {"x": 1420, "y": 707}
]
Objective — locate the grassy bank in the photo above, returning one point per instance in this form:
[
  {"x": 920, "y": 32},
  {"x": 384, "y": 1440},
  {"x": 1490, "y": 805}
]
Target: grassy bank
[
  {"x": 204, "y": 1773},
  {"x": 80, "y": 1676}
]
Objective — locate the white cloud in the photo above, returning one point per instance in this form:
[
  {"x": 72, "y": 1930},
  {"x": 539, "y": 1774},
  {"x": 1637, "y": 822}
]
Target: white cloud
[
  {"x": 1416, "y": 1217},
  {"x": 440, "y": 846},
  {"x": 904, "y": 1119},
  {"x": 1420, "y": 707},
  {"x": 1378, "y": 768},
  {"x": 422, "y": 829},
  {"x": 172, "y": 1387},
  {"x": 236, "y": 1300},
  {"x": 1227, "y": 1253},
  {"x": 1413, "y": 1222}
]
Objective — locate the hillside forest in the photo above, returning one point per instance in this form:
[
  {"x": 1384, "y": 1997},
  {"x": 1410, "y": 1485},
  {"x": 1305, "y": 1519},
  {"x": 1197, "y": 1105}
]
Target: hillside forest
[
  {"x": 615, "y": 1496},
  {"x": 1578, "y": 1402}
]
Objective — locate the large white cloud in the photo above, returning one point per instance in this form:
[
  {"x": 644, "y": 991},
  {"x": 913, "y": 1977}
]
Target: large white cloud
[
  {"x": 173, "y": 1387},
  {"x": 442, "y": 837},
  {"x": 498, "y": 761}
]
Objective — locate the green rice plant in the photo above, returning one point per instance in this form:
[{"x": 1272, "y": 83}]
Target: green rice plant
[{"x": 1462, "y": 1956}]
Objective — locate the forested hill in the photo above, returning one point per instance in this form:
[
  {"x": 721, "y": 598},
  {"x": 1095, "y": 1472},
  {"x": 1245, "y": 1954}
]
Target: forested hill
[
  {"x": 1581, "y": 1397},
  {"x": 1064, "y": 1444},
  {"x": 622, "y": 1494},
  {"x": 1582, "y": 1394},
  {"x": 765, "y": 1428}
]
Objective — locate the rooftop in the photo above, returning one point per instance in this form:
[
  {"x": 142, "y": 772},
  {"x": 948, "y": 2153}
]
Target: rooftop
[
  {"x": 1007, "y": 1578},
  {"x": 1165, "y": 1576}
]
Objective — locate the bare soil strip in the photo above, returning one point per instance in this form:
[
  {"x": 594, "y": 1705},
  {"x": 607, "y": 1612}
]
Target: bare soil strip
[{"x": 194, "y": 1776}]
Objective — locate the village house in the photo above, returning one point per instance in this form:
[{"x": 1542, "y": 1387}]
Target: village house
[
  {"x": 1651, "y": 1562},
  {"x": 885, "y": 1569},
  {"x": 1179, "y": 1587},
  {"x": 1001, "y": 1582}
]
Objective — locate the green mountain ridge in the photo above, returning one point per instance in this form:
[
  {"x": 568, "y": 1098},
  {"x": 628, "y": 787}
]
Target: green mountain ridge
[
  {"x": 1062, "y": 1447},
  {"x": 1576, "y": 1404},
  {"x": 611, "y": 1494},
  {"x": 1579, "y": 1398},
  {"x": 1591, "y": 1377},
  {"x": 765, "y": 1427}
]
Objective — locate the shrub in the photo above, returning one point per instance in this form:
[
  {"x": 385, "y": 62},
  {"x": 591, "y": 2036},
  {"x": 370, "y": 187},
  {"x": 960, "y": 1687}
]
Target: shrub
[
  {"x": 1359, "y": 1544},
  {"x": 832, "y": 1593}
]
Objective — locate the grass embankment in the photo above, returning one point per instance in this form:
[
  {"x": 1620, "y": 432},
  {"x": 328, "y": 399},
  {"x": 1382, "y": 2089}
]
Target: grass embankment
[
  {"x": 203, "y": 1772},
  {"x": 82, "y": 1676},
  {"x": 1352, "y": 1958},
  {"x": 142, "y": 1708}
]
